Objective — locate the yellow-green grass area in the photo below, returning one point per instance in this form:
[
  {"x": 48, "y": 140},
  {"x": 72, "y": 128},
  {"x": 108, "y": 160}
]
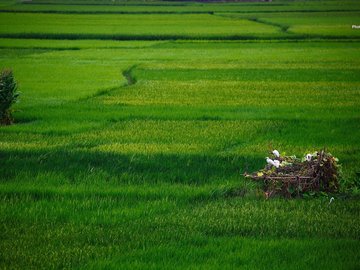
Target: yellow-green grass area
[
  {"x": 320, "y": 24},
  {"x": 130, "y": 154},
  {"x": 62, "y": 44},
  {"x": 152, "y": 26},
  {"x": 197, "y": 25}
]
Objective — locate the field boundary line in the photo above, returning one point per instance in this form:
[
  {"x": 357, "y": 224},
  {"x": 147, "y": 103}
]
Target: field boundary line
[
  {"x": 125, "y": 37},
  {"x": 171, "y": 12},
  {"x": 127, "y": 73},
  {"x": 130, "y": 80},
  {"x": 283, "y": 28},
  {"x": 100, "y": 93}
]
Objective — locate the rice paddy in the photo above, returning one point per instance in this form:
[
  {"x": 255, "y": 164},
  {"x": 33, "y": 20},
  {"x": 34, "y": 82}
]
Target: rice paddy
[{"x": 137, "y": 120}]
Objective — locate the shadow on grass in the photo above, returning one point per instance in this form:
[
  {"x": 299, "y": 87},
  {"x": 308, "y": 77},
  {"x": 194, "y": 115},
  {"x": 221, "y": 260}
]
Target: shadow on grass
[{"x": 78, "y": 166}]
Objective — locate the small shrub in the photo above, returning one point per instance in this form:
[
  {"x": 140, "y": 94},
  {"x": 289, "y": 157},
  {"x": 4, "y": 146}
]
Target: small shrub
[
  {"x": 8, "y": 96},
  {"x": 318, "y": 172}
]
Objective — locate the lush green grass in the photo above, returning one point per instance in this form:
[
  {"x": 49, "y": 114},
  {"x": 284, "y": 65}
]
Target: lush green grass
[
  {"x": 151, "y": 25},
  {"x": 99, "y": 230},
  {"x": 320, "y": 23},
  {"x": 66, "y": 45},
  {"x": 130, "y": 154}
]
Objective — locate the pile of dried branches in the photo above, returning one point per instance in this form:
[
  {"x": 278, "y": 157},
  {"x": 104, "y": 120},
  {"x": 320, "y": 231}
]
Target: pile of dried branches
[{"x": 290, "y": 176}]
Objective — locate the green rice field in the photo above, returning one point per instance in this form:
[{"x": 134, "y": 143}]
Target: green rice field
[{"x": 137, "y": 121}]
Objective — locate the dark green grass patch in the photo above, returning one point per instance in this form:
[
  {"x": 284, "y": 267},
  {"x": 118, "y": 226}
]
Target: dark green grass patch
[
  {"x": 90, "y": 231},
  {"x": 171, "y": 37},
  {"x": 132, "y": 168},
  {"x": 231, "y": 252}
]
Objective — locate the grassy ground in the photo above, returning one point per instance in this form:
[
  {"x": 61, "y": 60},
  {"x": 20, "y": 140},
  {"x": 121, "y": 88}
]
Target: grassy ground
[
  {"x": 147, "y": 25},
  {"x": 130, "y": 154}
]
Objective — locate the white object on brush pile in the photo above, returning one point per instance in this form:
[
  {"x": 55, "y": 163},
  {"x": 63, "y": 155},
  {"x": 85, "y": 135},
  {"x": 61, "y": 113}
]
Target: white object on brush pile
[
  {"x": 276, "y": 153},
  {"x": 276, "y": 163},
  {"x": 270, "y": 161}
]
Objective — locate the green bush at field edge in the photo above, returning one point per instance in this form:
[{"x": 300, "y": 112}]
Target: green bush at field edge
[{"x": 8, "y": 96}]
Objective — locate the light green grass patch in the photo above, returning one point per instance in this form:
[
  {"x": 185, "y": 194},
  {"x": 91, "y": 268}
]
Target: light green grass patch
[{"x": 124, "y": 24}]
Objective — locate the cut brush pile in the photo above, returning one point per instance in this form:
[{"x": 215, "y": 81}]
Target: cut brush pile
[{"x": 290, "y": 176}]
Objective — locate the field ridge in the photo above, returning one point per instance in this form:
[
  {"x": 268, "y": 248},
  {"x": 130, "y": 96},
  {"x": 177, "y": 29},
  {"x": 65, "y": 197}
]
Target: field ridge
[{"x": 145, "y": 37}]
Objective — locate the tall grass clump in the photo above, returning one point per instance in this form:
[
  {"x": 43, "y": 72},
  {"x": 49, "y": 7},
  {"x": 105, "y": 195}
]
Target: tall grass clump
[{"x": 8, "y": 96}]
